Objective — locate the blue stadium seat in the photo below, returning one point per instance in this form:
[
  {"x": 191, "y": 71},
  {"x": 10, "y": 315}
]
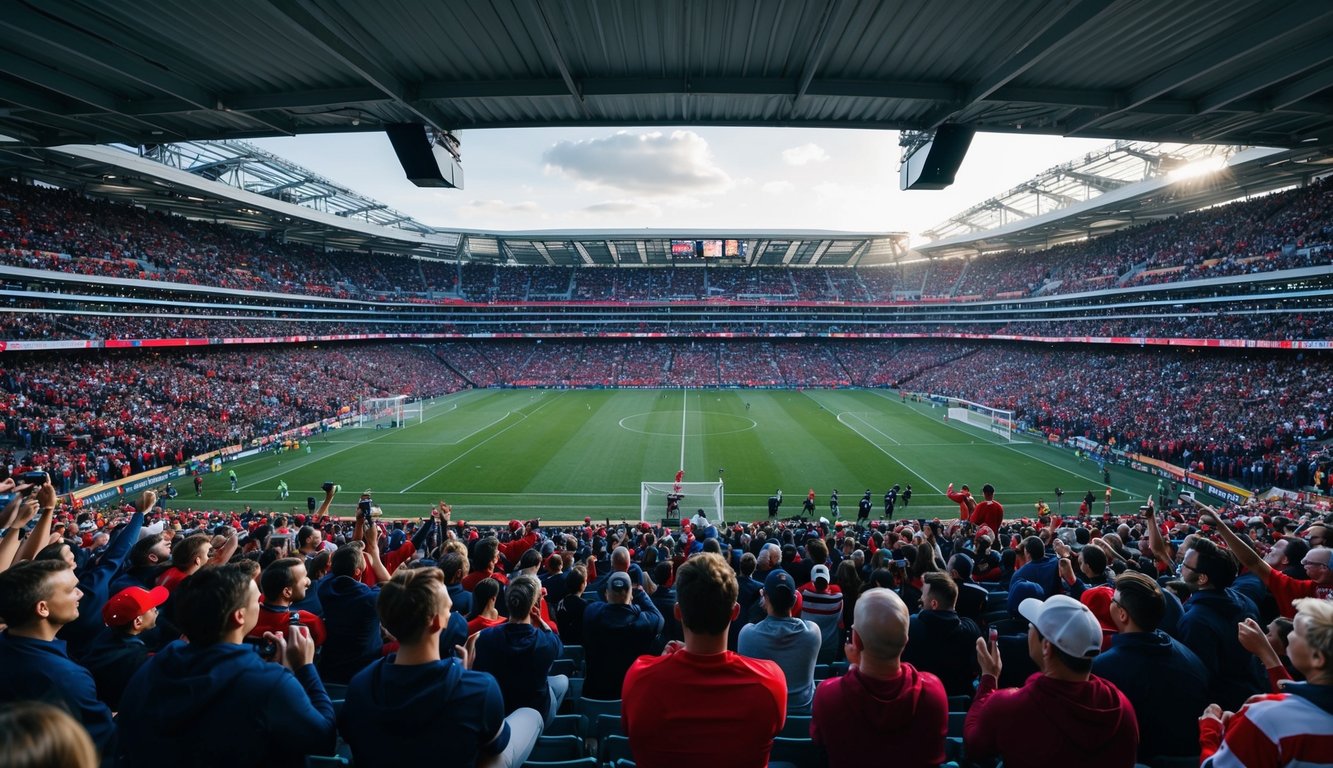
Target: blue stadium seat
[
  {"x": 564, "y": 725},
  {"x": 959, "y": 703},
  {"x": 582, "y": 762},
  {"x": 801, "y": 753},
  {"x": 557, "y": 748},
  {"x": 956, "y": 723},
  {"x": 613, "y": 749},
  {"x": 796, "y": 727},
  {"x": 567, "y": 667}
]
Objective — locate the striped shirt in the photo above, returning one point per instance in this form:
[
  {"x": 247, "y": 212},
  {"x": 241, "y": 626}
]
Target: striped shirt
[{"x": 1282, "y": 729}]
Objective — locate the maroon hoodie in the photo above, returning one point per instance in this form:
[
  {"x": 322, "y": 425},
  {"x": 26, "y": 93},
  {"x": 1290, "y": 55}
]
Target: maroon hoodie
[
  {"x": 862, "y": 721},
  {"x": 1051, "y": 722}
]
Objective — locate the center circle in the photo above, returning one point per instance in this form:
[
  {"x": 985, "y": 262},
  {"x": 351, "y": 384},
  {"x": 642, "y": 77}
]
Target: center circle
[{"x": 667, "y": 423}]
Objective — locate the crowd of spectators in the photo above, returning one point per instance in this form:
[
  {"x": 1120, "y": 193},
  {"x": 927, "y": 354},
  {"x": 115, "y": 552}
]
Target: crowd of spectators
[
  {"x": 1253, "y": 418},
  {"x": 1179, "y": 635},
  {"x": 62, "y": 231},
  {"x": 86, "y": 419}
]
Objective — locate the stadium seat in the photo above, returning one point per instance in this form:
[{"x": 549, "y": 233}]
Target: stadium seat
[
  {"x": 840, "y": 668},
  {"x": 956, "y": 723},
  {"x": 801, "y": 753},
  {"x": 557, "y": 748},
  {"x": 613, "y": 749},
  {"x": 959, "y": 703},
  {"x": 823, "y": 672},
  {"x": 582, "y": 762},
  {"x": 335, "y": 691},
  {"x": 567, "y": 667},
  {"x": 564, "y": 725},
  {"x": 591, "y": 709},
  {"x": 995, "y": 617},
  {"x": 796, "y": 727},
  {"x": 573, "y": 652},
  {"x": 997, "y": 601},
  {"x": 606, "y": 726},
  {"x": 953, "y": 748}
]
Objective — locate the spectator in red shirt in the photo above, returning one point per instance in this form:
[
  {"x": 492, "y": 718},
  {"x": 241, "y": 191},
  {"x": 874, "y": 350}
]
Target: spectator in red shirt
[
  {"x": 698, "y": 702},
  {"x": 1285, "y": 589},
  {"x": 192, "y": 553},
  {"x": 988, "y": 512},
  {"x": 284, "y": 582},
  {"x": 1085, "y": 719},
  {"x": 963, "y": 498},
  {"x": 882, "y": 705}
]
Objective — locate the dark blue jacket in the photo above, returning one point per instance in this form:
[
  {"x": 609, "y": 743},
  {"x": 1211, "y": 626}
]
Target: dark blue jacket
[
  {"x": 42, "y": 671},
  {"x": 95, "y": 581},
  {"x": 221, "y": 705},
  {"x": 614, "y": 636},
  {"x": 385, "y": 699},
  {"x": 113, "y": 658},
  {"x": 1209, "y": 629},
  {"x": 1166, "y": 683},
  {"x": 520, "y": 658},
  {"x": 1044, "y": 572},
  {"x": 353, "y": 628},
  {"x": 463, "y": 599},
  {"x": 938, "y": 642}
]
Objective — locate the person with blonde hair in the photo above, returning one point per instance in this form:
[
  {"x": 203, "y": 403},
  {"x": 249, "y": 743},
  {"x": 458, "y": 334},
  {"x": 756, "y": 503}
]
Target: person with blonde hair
[
  {"x": 1294, "y": 727},
  {"x": 34, "y": 734}
]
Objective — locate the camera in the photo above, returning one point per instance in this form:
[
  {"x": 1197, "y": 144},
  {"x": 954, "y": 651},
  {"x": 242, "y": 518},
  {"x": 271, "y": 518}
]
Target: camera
[
  {"x": 34, "y": 478},
  {"x": 327, "y": 487},
  {"x": 363, "y": 508},
  {"x": 266, "y": 648}
]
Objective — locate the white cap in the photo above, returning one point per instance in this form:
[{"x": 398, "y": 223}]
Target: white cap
[
  {"x": 1066, "y": 622},
  {"x": 819, "y": 572}
]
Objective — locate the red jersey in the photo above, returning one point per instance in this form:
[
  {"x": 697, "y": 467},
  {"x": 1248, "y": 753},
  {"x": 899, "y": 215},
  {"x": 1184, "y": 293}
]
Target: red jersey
[
  {"x": 277, "y": 620},
  {"x": 720, "y": 709},
  {"x": 171, "y": 578},
  {"x": 989, "y": 513},
  {"x": 481, "y": 622},
  {"x": 1285, "y": 589}
]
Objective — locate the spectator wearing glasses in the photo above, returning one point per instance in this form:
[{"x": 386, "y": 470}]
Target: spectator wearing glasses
[
  {"x": 1209, "y": 625},
  {"x": 1285, "y": 589}
]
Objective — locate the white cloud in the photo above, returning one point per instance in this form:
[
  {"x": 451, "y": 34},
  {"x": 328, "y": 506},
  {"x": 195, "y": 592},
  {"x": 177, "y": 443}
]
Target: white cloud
[
  {"x": 651, "y": 164},
  {"x": 627, "y": 208},
  {"x": 804, "y": 154},
  {"x": 778, "y": 188},
  {"x": 499, "y": 208}
]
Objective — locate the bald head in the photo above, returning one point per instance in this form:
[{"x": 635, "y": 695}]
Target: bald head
[
  {"x": 620, "y": 559},
  {"x": 880, "y": 621},
  {"x": 1318, "y": 564}
]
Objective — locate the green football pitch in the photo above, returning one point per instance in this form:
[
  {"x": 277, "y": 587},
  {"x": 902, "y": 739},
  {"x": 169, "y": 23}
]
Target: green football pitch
[{"x": 563, "y": 454}]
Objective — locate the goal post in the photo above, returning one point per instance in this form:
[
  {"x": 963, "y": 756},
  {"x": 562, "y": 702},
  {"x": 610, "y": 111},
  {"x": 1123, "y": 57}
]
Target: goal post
[
  {"x": 655, "y": 498},
  {"x": 997, "y": 421},
  {"x": 387, "y": 412}
]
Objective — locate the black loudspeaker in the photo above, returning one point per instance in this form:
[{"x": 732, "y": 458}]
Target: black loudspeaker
[
  {"x": 425, "y": 163},
  {"x": 934, "y": 164}
]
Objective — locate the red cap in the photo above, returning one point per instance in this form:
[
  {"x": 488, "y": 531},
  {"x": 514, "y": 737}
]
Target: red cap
[
  {"x": 514, "y": 525},
  {"x": 1098, "y": 600},
  {"x": 131, "y": 603}
]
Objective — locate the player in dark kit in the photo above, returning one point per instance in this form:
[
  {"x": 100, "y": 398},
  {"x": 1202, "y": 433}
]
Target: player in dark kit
[
  {"x": 863, "y": 508},
  {"x": 890, "y": 499}
]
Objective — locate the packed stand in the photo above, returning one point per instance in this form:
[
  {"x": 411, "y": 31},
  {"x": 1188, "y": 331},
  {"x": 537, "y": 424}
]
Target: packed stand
[{"x": 1180, "y": 635}]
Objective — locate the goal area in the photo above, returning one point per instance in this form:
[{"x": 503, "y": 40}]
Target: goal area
[
  {"x": 388, "y": 412},
  {"x": 997, "y": 421},
  {"x": 680, "y": 501}
]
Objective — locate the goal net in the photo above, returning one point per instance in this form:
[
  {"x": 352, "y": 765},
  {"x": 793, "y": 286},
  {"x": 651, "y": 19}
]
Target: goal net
[
  {"x": 658, "y": 501},
  {"x": 387, "y": 412},
  {"x": 997, "y": 421}
]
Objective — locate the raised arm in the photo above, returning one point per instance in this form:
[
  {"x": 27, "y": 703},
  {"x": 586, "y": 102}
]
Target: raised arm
[
  {"x": 18, "y": 512},
  {"x": 41, "y": 533},
  {"x": 1156, "y": 543},
  {"x": 1243, "y": 552}
]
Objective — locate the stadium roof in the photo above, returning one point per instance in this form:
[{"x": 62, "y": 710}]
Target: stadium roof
[
  {"x": 1245, "y": 72},
  {"x": 1123, "y": 184}
]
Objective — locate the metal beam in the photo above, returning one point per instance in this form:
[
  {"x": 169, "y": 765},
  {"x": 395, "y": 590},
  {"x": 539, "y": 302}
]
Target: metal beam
[
  {"x": 362, "y": 209},
  {"x": 281, "y": 187},
  {"x": 553, "y": 48},
  {"x": 1266, "y": 32},
  {"x": 69, "y": 42},
  {"x": 315, "y": 24},
  {"x": 1302, "y": 89},
  {"x": 816, "y": 54},
  {"x": 1100, "y": 183},
  {"x": 1288, "y": 63},
  {"x": 1057, "y": 29}
]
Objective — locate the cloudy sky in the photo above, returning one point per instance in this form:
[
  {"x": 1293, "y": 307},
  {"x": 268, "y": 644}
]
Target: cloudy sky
[{"x": 714, "y": 178}]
